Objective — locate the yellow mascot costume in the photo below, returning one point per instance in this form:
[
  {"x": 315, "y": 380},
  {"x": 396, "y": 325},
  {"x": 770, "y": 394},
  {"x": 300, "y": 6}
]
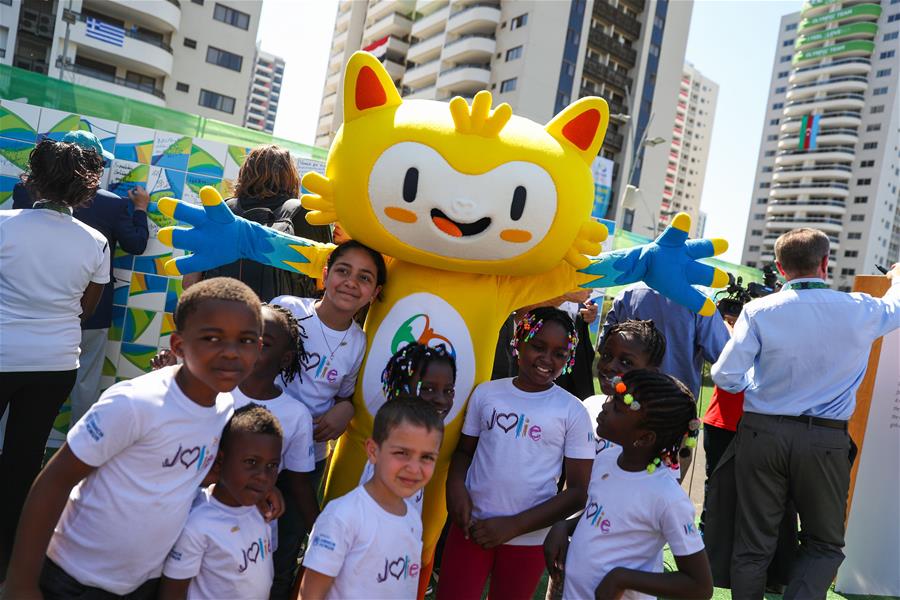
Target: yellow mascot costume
[{"x": 481, "y": 212}]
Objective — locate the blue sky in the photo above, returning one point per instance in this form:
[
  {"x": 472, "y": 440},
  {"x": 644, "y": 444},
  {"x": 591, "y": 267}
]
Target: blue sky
[{"x": 732, "y": 42}]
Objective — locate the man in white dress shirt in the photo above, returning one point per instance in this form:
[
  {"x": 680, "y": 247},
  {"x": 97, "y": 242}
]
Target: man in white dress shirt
[{"x": 799, "y": 356}]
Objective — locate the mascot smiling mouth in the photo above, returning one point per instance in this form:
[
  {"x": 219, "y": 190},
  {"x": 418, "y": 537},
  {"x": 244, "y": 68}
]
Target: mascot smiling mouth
[{"x": 457, "y": 229}]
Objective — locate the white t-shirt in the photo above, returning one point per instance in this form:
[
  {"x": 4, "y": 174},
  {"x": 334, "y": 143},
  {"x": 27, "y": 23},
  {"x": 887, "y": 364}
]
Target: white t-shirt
[
  {"x": 226, "y": 551},
  {"x": 298, "y": 447},
  {"x": 47, "y": 260},
  {"x": 370, "y": 552},
  {"x": 415, "y": 501},
  {"x": 522, "y": 440},
  {"x": 628, "y": 518},
  {"x": 152, "y": 447},
  {"x": 594, "y": 405},
  {"x": 334, "y": 360}
]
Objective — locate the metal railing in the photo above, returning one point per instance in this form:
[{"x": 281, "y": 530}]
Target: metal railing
[
  {"x": 143, "y": 87},
  {"x": 818, "y": 167},
  {"x": 823, "y": 133},
  {"x": 843, "y": 61},
  {"x": 857, "y": 78},
  {"x": 826, "y": 115},
  {"x": 860, "y": 97},
  {"x": 134, "y": 33},
  {"x": 821, "y": 184}
]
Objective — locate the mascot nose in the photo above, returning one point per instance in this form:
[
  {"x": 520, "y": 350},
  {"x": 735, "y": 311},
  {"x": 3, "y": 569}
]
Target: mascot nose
[{"x": 463, "y": 207}]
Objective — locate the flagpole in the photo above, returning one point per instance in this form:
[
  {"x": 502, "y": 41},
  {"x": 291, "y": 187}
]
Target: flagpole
[{"x": 67, "y": 17}]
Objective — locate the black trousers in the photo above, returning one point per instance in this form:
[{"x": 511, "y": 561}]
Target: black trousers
[
  {"x": 33, "y": 399},
  {"x": 56, "y": 584},
  {"x": 779, "y": 460}
]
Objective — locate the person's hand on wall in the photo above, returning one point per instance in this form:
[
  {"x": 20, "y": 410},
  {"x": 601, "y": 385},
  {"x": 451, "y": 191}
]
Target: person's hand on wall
[{"x": 139, "y": 197}]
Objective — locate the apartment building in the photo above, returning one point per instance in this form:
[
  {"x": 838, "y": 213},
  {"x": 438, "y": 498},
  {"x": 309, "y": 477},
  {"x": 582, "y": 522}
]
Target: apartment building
[
  {"x": 829, "y": 156},
  {"x": 695, "y": 112},
  {"x": 538, "y": 56},
  {"x": 189, "y": 55},
  {"x": 264, "y": 92}
]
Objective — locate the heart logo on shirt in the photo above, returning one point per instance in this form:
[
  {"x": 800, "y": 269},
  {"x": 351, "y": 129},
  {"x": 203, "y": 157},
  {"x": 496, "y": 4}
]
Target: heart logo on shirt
[
  {"x": 253, "y": 552},
  {"x": 189, "y": 457},
  {"x": 591, "y": 510},
  {"x": 313, "y": 360},
  {"x": 397, "y": 567},
  {"x": 506, "y": 421}
]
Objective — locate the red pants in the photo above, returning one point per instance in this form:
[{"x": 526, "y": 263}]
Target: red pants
[{"x": 515, "y": 571}]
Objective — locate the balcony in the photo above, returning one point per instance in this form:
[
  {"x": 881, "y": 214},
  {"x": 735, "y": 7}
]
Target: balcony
[
  {"x": 421, "y": 75},
  {"x": 831, "y": 102},
  {"x": 332, "y": 81},
  {"x": 830, "y": 154},
  {"x": 378, "y": 9},
  {"x": 325, "y": 120},
  {"x": 853, "y": 31},
  {"x": 474, "y": 18},
  {"x": 430, "y": 25},
  {"x": 614, "y": 16},
  {"x": 339, "y": 39},
  {"x": 613, "y": 140},
  {"x": 471, "y": 48},
  {"x": 819, "y": 171},
  {"x": 114, "y": 85},
  {"x": 328, "y": 103},
  {"x": 829, "y": 189},
  {"x": 846, "y": 66},
  {"x": 394, "y": 24},
  {"x": 849, "y": 83},
  {"x": 394, "y": 69},
  {"x": 637, "y": 5},
  {"x": 342, "y": 23},
  {"x": 825, "y": 137},
  {"x": 863, "y": 48},
  {"x": 789, "y": 207},
  {"x": 606, "y": 74},
  {"x": 826, "y": 224},
  {"x": 161, "y": 15},
  {"x": 600, "y": 40},
  {"x": 424, "y": 93},
  {"x": 859, "y": 12},
  {"x": 464, "y": 78},
  {"x": 426, "y": 50},
  {"x": 829, "y": 119},
  {"x": 137, "y": 53}
]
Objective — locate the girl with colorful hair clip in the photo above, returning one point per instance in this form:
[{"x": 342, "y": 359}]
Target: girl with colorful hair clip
[
  {"x": 617, "y": 541},
  {"x": 502, "y": 486},
  {"x": 426, "y": 372}
]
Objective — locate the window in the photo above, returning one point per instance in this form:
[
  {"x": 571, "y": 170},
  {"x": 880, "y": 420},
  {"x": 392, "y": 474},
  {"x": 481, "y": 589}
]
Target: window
[
  {"x": 513, "y": 53},
  {"x": 864, "y": 181},
  {"x": 857, "y": 217},
  {"x": 231, "y": 16},
  {"x": 786, "y": 58},
  {"x": 877, "y": 109},
  {"x": 772, "y": 137},
  {"x": 764, "y": 185},
  {"x": 182, "y": 87},
  {"x": 870, "y": 145},
  {"x": 893, "y": 17},
  {"x": 873, "y": 127},
  {"x": 139, "y": 81},
  {"x": 882, "y": 72},
  {"x": 751, "y": 263},
  {"x": 848, "y": 271},
  {"x": 891, "y": 36},
  {"x": 762, "y": 200},
  {"x": 860, "y": 199},
  {"x": 759, "y": 217},
  {"x": 767, "y": 169},
  {"x": 223, "y": 58},
  {"x": 756, "y": 232},
  {"x": 787, "y": 42},
  {"x": 790, "y": 27},
  {"x": 770, "y": 153},
  {"x": 519, "y": 21},
  {"x": 851, "y": 253},
  {"x": 216, "y": 101},
  {"x": 888, "y": 54},
  {"x": 200, "y": 2},
  {"x": 774, "y": 121},
  {"x": 753, "y": 248},
  {"x": 573, "y": 37},
  {"x": 508, "y": 86},
  {"x": 867, "y": 163},
  {"x": 777, "y": 105},
  {"x": 879, "y": 91},
  {"x": 854, "y": 236},
  {"x": 783, "y": 74},
  {"x": 190, "y": 43},
  {"x": 780, "y": 90}
]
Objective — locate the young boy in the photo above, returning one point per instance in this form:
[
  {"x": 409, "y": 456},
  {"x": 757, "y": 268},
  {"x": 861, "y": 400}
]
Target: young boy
[
  {"x": 136, "y": 459},
  {"x": 368, "y": 544},
  {"x": 225, "y": 550}
]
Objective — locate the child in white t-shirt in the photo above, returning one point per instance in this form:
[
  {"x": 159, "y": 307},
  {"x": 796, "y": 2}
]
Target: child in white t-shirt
[
  {"x": 368, "y": 543},
  {"x": 633, "y": 507},
  {"x": 225, "y": 549},
  {"x": 136, "y": 459},
  {"x": 502, "y": 486}
]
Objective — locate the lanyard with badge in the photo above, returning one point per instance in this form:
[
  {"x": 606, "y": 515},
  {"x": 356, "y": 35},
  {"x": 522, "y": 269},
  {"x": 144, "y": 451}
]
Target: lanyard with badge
[{"x": 805, "y": 285}]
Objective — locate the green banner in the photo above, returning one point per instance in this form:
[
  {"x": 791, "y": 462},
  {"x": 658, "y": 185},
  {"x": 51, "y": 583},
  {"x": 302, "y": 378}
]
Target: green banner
[
  {"x": 872, "y": 10},
  {"x": 831, "y": 34},
  {"x": 836, "y": 50},
  {"x": 39, "y": 90}
]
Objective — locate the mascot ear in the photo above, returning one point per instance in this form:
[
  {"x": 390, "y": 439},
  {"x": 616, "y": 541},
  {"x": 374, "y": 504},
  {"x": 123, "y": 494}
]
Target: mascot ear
[
  {"x": 581, "y": 126},
  {"x": 367, "y": 87}
]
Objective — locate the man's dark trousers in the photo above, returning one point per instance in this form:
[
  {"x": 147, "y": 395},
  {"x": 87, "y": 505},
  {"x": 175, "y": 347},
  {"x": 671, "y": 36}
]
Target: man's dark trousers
[{"x": 780, "y": 459}]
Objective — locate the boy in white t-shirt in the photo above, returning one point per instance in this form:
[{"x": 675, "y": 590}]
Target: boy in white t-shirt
[
  {"x": 634, "y": 508},
  {"x": 136, "y": 459},
  {"x": 368, "y": 543},
  {"x": 225, "y": 550}
]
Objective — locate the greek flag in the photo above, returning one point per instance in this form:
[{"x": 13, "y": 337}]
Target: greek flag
[{"x": 105, "y": 32}]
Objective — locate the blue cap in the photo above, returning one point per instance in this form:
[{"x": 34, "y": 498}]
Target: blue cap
[{"x": 86, "y": 139}]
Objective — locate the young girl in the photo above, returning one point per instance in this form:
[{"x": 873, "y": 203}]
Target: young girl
[
  {"x": 634, "y": 508},
  {"x": 626, "y": 346},
  {"x": 502, "y": 485}
]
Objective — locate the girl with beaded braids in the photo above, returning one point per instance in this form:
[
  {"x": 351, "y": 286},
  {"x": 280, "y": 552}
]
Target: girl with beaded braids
[
  {"x": 502, "y": 485},
  {"x": 426, "y": 372},
  {"x": 633, "y": 507}
]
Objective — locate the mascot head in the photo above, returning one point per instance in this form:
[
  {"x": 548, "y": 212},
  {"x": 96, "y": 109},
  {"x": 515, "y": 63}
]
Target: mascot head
[{"x": 458, "y": 187}]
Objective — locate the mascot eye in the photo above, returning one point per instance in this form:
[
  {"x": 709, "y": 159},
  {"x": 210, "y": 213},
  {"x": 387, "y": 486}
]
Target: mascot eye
[
  {"x": 518, "y": 202},
  {"x": 410, "y": 184}
]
